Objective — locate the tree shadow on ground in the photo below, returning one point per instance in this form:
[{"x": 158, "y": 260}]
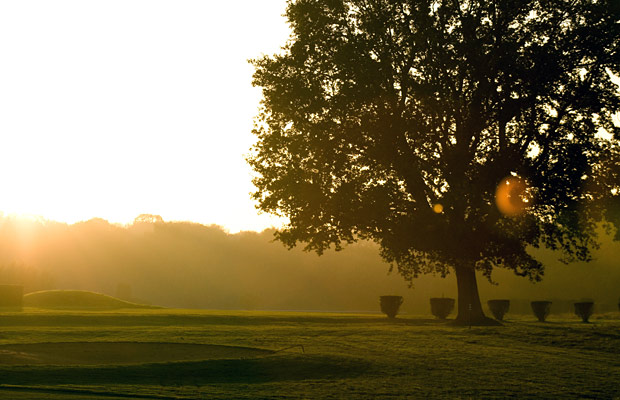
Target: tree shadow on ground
[{"x": 256, "y": 370}]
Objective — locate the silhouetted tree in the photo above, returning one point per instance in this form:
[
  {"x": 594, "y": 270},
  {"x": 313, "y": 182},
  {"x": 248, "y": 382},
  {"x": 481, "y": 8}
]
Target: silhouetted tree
[
  {"x": 452, "y": 133},
  {"x": 148, "y": 219}
]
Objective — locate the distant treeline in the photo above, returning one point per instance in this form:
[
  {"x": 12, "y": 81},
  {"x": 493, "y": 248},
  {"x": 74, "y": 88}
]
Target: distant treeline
[{"x": 188, "y": 265}]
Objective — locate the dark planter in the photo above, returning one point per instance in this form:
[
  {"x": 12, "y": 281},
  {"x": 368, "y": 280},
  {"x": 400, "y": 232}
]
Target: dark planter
[
  {"x": 441, "y": 307},
  {"x": 390, "y": 305},
  {"x": 499, "y": 308},
  {"x": 584, "y": 309},
  {"x": 541, "y": 309},
  {"x": 11, "y": 297}
]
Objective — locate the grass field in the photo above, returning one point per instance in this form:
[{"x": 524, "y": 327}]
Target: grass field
[{"x": 316, "y": 355}]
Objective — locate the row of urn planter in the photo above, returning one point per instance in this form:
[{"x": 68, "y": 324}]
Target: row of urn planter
[
  {"x": 441, "y": 307},
  {"x": 583, "y": 309}
]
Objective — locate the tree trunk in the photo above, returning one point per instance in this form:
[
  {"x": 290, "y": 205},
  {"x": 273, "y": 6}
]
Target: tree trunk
[{"x": 469, "y": 306}]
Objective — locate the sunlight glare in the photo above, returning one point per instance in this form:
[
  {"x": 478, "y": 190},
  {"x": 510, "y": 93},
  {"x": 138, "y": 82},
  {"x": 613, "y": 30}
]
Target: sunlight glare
[
  {"x": 511, "y": 196},
  {"x": 114, "y": 109}
]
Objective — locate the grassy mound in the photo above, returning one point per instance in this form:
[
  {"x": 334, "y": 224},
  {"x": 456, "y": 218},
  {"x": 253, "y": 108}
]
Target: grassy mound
[{"x": 77, "y": 299}]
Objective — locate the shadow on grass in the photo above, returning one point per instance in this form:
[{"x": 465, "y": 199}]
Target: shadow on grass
[
  {"x": 95, "y": 320},
  {"x": 412, "y": 321},
  {"x": 257, "y": 370}
]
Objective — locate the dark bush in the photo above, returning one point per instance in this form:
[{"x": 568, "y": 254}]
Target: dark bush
[
  {"x": 11, "y": 297},
  {"x": 441, "y": 307},
  {"x": 499, "y": 308},
  {"x": 584, "y": 309},
  {"x": 390, "y": 305},
  {"x": 541, "y": 309}
]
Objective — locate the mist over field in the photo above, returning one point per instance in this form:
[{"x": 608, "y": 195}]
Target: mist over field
[{"x": 188, "y": 265}]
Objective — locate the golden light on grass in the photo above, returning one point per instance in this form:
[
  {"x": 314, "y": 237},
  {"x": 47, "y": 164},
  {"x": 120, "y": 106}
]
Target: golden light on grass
[
  {"x": 438, "y": 208},
  {"x": 511, "y": 196}
]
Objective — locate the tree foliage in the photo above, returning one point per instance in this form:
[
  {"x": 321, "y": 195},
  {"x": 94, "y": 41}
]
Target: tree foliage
[{"x": 397, "y": 121}]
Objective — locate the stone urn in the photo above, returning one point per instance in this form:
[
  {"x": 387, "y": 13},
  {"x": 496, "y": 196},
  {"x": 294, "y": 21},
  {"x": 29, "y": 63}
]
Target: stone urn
[
  {"x": 441, "y": 307},
  {"x": 499, "y": 308},
  {"x": 541, "y": 309},
  {"x": 390, "y": 305},
  {"x": 584, "y": 309}
]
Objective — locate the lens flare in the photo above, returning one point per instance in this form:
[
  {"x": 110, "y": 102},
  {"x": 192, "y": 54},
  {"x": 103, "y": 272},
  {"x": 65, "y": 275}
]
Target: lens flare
[
  {"x": 511, "y": 196},
  {"x": 438, "y": 208}
]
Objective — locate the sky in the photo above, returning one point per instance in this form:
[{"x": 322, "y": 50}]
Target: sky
[{"x": 116, "y": 108}]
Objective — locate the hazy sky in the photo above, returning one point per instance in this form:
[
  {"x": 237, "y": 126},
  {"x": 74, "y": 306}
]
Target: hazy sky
[{"x": 115, "y": 108}]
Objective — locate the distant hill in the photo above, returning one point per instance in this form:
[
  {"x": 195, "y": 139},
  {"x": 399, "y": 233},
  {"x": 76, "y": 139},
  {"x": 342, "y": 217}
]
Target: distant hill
[{"x": 77, "y": 299}]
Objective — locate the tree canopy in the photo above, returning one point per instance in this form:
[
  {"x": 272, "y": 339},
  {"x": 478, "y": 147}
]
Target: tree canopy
[{"x": 452, "y": 133}]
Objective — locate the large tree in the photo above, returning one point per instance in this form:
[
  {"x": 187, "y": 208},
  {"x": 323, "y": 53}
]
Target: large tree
[{"x": 453, "y": 133}]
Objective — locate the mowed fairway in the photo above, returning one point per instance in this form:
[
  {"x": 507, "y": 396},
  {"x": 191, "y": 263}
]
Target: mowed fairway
[{"x": 307, "y": 355}]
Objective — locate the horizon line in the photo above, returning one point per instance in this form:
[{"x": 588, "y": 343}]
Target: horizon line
[{"x": 42, "y": 218}]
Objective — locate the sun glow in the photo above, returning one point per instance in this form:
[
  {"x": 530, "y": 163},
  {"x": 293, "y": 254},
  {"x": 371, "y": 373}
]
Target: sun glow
[{"x": 112, "y": 109}]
